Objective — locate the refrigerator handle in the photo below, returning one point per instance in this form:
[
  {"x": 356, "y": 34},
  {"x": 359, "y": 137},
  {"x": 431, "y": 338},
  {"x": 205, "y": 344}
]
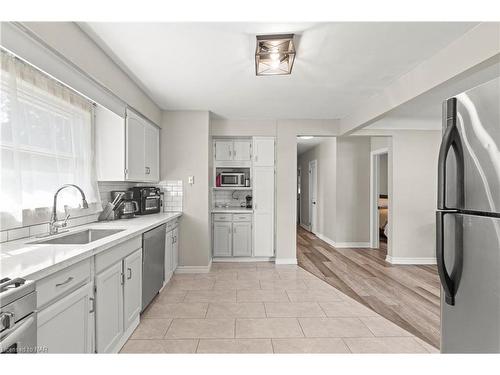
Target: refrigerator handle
[
  {"x": 451, "y": 140},
  {"x": 446, "y": 280}
]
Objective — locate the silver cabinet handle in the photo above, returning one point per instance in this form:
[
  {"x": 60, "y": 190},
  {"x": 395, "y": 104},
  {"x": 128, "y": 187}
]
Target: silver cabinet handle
[
  {"x": 68, "y": 280},
  {"x": 129, "y": 276},
  {"x": 122, "y": 278},
  {"x": 92, "y": 300}
]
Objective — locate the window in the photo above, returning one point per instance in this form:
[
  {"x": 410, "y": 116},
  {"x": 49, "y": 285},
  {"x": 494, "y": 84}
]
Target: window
[{"x": 46, "y": 140}]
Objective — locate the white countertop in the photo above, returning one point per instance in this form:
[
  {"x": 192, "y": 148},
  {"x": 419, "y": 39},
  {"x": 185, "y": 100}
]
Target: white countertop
[
  {"x": 24, "y": 259},
  {"x": 232, "y": 210}
]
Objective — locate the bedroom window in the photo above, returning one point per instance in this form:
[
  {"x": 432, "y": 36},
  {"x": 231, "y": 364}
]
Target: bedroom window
[{"x": 46, "y": 140}]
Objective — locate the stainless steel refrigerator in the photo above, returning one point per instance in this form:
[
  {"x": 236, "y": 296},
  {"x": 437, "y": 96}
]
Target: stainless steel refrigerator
[{"x": 468, "y": 221}]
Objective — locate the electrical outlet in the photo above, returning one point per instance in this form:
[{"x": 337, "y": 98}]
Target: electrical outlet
[{"x": 191, "y": 180}]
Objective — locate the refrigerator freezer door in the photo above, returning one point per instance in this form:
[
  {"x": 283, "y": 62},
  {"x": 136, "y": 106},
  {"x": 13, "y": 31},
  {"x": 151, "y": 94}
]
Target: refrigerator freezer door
[
  {"x": 472, "y": 324},
  {"x": 478, "y": 124}
]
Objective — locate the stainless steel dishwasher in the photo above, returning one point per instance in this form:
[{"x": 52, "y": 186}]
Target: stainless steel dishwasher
[{"x": 153, "y": 263}]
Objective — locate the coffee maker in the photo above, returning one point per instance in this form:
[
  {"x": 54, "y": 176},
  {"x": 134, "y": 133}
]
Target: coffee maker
[
  {"x": 127, "y": 207},
  {"x": 248, "y": 198}
]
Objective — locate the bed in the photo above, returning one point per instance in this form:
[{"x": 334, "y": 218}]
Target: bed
[{"x": 383, "y": 212}]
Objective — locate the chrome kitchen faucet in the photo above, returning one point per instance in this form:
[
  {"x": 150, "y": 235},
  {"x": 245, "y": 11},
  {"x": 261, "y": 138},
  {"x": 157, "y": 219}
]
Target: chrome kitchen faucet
[{"x": 55, "y": 224}]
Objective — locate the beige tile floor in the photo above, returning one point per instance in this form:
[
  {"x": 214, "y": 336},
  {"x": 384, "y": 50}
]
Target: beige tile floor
[{"x": 263, "y": 308}]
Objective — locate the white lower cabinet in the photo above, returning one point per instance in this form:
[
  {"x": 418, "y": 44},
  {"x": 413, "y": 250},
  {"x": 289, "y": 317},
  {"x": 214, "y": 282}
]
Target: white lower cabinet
[
  {"x": 132, "y": 300},
  {"x": 109, "y": 308},
  {"x": 171, "y": 250},
  {"x": 67, "y": 326},
  {"x": 232, "y": 235},
  {"x": 242, "y": 239},
  {"x": 222, "y": 238}
]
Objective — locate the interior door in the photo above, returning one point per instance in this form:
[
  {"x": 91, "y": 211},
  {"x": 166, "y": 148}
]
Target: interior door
[
  {"x": 242, "y": 150},
  {"x": 223, "y": 150},
  {"x": 109, "y": 308},
  {"x": 132, "y": 293},
  {"x": 134, "y": 153},
  {"x": 313, "y": 194},
  {"x": 472, "y": 324},
  {"x": 67, "y": 325},
  {"x": 152, "y": 153},
  {"x": 263, "y": 198}
]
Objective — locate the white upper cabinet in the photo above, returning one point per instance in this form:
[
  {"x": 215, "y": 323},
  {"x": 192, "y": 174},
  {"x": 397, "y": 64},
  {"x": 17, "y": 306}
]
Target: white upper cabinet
[
  {"x": 242, "y": 150},
  {"x": 152, "y": 153},
  {"x": 263, "y": 151},
  {"x": 233, "y": 150},
  {"x": 223, "y": 150},
  {"x": 127, "y": 149},
  {"x": 135, "y": 152}
]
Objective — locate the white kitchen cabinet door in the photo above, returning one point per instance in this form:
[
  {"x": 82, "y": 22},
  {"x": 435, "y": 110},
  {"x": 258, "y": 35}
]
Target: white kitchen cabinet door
[
  {"x": 109, "y": 308},
  {"x": 67, "y": 326},
  {"x": 175, "y": 248},
  {"x": 152, "y": 153},
  {"x": 242, "y": 150},
  {"x": 132, "y": 291},
  {"x": 222, "y": 237},
  {"x": 263, "y": 151},
  {"x": 263, "y": 205},
  {"x": 223, "y": 150},
  {"x": 109, "y": 145},
  {"x": 134, "y": 150},
  {"x": 168, "y": 256},
  {"x": 242, "y": 239}
]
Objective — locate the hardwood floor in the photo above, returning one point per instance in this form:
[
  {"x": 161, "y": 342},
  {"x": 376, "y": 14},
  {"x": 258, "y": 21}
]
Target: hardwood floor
[{"x": 406, "y": 295}]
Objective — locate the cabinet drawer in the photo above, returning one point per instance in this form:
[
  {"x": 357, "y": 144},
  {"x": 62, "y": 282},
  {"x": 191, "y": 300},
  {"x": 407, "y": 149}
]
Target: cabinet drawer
[
  {"x": 242, "y": 217},
  {"x": 223, "y": 217},
  {"x": 55, "y": 286},
  {"x": 117, "y": 253}
]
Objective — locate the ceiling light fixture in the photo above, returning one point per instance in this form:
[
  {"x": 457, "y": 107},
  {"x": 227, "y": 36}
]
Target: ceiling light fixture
[
  {"x": 274, "y": 54},
  {"x": 306, "y": 137}
]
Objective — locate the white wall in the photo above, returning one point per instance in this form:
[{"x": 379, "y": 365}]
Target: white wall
[
  {"x": 185, "y": 152},
  {"x": 353, "y": 191},
  {"x": 412, "y": 174},
  {"x": 71, "y": 42}
]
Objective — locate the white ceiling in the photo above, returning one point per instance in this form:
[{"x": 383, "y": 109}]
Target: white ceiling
[{"x": 210, "y": 66}]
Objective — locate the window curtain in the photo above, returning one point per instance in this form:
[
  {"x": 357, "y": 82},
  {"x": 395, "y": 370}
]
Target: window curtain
[{"x": 46, "y": 140}]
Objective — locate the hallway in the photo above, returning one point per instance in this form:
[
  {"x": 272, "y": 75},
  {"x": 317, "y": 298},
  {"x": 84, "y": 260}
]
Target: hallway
[{"x": 406, "y": 295}]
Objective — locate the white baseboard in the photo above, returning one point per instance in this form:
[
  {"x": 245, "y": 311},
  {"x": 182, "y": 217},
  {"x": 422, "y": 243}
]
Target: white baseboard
[
  {"x": 285, "y": 261},
  {"x": 352, "y": 244},
  {"x": 331, "y": 242},
  {"x": 194, "y": 269},
  {"x": 242, "y": 259},
  {"x": 410, "y": 261},
  {"x": 306, "y": 227}
]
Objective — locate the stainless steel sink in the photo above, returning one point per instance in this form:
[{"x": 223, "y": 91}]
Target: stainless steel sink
[{"x": 81, "y": 237}]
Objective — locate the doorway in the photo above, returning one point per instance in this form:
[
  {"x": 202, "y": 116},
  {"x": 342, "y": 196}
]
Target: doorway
[{"x": 379, "y": 199}]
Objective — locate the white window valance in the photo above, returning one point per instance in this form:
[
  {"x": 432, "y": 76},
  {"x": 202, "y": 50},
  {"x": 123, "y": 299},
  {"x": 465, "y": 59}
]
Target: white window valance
[{"x": 46, "y": 140}]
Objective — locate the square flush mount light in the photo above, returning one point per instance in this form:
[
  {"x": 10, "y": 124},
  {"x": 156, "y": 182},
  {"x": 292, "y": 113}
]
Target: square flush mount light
[{"x": 274, "y": 54}]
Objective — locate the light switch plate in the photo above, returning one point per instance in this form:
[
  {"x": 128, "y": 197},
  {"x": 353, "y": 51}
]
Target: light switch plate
[{"x": 191, "y": 180}]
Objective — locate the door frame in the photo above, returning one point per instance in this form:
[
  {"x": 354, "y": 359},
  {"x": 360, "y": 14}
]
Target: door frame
[
  {"x": 374, "y": 193},
  {"x": 313, "y": 220}
]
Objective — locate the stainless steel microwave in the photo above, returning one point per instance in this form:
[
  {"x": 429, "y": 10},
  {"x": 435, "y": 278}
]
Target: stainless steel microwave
[{"x": 232, "y": 179}]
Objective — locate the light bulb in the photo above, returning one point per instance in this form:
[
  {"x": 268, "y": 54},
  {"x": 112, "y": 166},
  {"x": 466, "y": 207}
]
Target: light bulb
[{"x": 274, "y": 56}]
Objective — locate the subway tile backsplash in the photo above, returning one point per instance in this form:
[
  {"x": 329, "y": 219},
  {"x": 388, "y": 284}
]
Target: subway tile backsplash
[{"x": 172, "y": 198}]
